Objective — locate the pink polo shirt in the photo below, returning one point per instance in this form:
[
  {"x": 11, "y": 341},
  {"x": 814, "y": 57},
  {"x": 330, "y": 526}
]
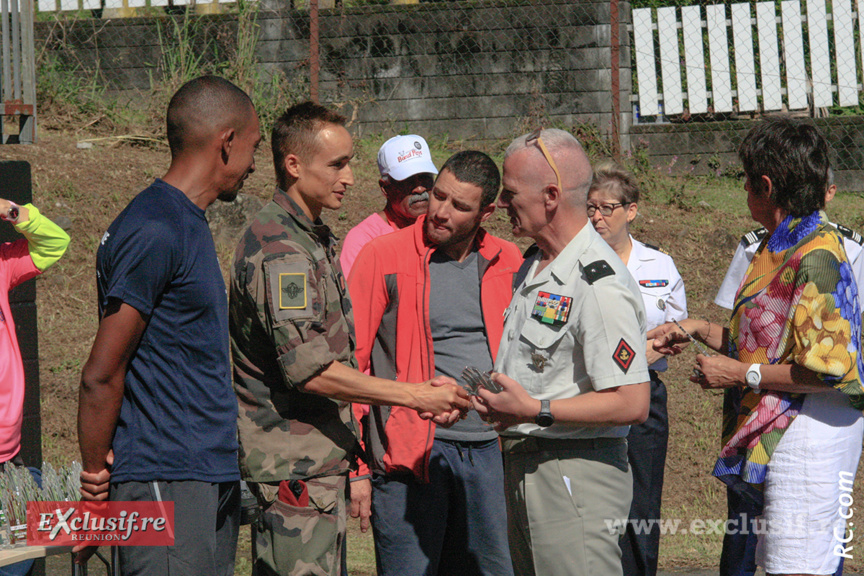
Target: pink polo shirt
[{"x": 372, "y": 227}]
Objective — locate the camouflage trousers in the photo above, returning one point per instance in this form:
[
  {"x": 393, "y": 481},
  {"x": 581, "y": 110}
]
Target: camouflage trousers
[{"x": 300, "y": 541}]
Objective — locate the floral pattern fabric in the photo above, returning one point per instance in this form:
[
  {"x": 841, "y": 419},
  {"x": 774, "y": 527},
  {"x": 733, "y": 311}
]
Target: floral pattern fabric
[{"x": 797, "y": 304}]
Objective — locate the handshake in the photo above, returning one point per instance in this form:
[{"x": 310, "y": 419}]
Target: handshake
[{"x": 457, "y": 393}]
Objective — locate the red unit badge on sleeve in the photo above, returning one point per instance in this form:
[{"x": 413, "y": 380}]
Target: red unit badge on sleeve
[{"x": 623, "y": 355}]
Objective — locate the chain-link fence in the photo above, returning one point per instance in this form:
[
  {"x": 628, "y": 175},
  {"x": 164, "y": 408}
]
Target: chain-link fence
[
  {"x": 471, "y": 70},
  {"x": 475, "y": 70},
  {"x": 705, "y": 71},
  {"x": 487, "y": 69}
]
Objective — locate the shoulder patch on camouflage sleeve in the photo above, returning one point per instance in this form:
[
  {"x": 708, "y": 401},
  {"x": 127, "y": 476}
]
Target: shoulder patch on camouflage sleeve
[
  {"x": 291, "y": 289},
  {"x": 597, "y": 270}
]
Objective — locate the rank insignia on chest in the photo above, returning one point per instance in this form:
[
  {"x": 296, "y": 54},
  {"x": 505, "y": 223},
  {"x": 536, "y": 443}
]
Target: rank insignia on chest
[
  {"x": 653, "y": 283},
  {"x": 551, "y": 308},
  {"x": 623, "y": 355},
  {"x": 292, "y": 291}
]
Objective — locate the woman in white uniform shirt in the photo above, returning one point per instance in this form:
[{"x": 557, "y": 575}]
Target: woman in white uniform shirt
[{"x": 612, "y": 206}]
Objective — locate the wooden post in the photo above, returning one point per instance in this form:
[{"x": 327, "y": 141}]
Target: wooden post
[
  {"x": 27, "y": 123},
  {"x": 314, "y": 62}
]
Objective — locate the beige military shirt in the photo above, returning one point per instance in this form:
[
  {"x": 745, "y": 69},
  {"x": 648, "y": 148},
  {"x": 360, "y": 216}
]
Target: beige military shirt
[{"x": 577, "y": 326}]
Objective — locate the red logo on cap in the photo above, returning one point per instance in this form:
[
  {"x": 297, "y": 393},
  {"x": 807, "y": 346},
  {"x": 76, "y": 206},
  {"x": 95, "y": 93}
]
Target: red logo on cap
[{"x": 412, "y": 154}]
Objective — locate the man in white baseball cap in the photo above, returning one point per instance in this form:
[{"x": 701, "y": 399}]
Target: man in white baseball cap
[{"x": 407, "y": 175}]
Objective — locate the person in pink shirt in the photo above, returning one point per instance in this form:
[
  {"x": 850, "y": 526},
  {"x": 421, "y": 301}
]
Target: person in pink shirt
[
  {"x": 407, "y": 174},
  {"x": 43, "y": 244}
]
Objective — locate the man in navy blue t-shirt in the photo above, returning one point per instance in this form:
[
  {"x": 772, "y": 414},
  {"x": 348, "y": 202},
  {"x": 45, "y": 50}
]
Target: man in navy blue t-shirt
[{"x": 157, "y": 416}]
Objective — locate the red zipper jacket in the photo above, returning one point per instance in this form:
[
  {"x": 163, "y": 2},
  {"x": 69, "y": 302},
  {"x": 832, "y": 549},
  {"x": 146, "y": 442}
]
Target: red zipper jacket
[{"x": 389, "y": 287}]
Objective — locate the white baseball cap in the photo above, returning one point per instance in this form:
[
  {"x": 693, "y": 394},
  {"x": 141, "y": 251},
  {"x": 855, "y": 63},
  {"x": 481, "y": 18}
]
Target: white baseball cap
[{"x": 403, "y": 156}]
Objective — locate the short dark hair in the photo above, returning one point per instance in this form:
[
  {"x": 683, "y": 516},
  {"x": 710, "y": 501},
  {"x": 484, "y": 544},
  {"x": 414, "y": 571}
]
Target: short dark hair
[
  {"x": 201, "y": 106},
  {"x": 294, "y": 133},
  {"x": 794, "y": 155},
  {"x": 610, "y": 175},
  {"x": 475, "y": 167}
]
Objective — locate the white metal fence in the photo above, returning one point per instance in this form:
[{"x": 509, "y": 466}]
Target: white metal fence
[
  {"x": 758, "y": 58},
  {"x": 17, "y": 75},
  {"x": 75, "y": 5}
]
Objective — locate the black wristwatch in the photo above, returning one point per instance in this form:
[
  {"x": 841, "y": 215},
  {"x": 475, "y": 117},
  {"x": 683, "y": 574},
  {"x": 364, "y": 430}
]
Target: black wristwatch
[
  {"x": 12, "y": 214},
  {"x": 544, "y": 418}
]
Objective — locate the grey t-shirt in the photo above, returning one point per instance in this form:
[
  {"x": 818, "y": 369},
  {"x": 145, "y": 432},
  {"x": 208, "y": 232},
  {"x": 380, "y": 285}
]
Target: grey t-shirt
[{"x": 458, "y": 333}]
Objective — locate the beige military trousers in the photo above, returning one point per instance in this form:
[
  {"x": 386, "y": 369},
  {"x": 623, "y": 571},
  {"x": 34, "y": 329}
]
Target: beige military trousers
[{"x": 567, "y": 501}]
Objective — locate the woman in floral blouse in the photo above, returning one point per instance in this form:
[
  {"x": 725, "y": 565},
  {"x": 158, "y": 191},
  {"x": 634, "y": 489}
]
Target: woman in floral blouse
[{"x": 790, "y": 359}]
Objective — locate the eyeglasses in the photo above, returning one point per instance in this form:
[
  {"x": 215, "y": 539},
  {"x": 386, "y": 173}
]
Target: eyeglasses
[
  {"x": 535, "y": 137},
  {"x": 604, "y": 209}
]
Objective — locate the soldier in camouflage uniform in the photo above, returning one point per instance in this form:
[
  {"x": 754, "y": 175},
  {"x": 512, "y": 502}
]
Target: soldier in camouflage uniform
[{"x": 292, "y": 339}]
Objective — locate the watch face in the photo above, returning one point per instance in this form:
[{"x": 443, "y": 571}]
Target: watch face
[
  {"x": 545, "y": 419},
  {"x": 753, "y": 378}
]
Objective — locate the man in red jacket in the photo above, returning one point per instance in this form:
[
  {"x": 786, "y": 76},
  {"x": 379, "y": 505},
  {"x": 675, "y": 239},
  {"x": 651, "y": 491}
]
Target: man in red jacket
[{"x": 430, "y": 299}]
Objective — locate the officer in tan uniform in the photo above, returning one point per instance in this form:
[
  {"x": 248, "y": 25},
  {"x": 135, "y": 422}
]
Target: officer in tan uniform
[
  {"x": 573, "y": 367},
  {"x": 292, "y": 340}
]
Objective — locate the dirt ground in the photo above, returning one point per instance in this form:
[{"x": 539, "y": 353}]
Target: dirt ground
[{"x": 91, "y": 186}]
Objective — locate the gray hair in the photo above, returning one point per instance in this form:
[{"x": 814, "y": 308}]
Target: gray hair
[{"x": 554, "y": 139}]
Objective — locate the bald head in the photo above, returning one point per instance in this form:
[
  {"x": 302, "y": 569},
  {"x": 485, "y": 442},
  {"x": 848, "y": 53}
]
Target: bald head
[
  {"x": 201, "y": 109},
  {"x": 569, "y": 158}
]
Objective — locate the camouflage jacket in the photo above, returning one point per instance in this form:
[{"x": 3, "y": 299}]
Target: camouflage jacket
[{"x": 289, "y": 318}]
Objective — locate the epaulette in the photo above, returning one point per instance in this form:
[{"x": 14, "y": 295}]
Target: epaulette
[
  {"x": 754, "y": 236},
  {"x": 850, "y": 234},
  {"x": 597, "y": 270},
  {"x": 520, "y": 275},
  {"x": 657, "y": 248}
]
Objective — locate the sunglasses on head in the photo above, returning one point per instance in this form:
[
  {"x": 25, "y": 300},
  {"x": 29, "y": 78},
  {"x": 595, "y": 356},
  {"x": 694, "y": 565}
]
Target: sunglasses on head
[{"x": 535, "y": 137}]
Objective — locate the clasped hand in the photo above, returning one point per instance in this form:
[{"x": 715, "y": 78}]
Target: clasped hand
[
  {"x": 94, "y": 487},
  {"x": 710, "y": 372},
  {"x": 509, "y": 407},
  {"x": 442, "y": 400}
]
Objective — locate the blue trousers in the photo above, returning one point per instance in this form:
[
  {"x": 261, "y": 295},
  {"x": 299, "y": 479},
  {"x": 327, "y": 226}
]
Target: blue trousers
[
  {"x": 646, "y": 452},
  {"x": 456, "y": 524},
  {"x": 738, "y": 557}
]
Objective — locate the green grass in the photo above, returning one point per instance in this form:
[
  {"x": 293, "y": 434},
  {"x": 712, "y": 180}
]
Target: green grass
[{"x": 93, "y": 186}]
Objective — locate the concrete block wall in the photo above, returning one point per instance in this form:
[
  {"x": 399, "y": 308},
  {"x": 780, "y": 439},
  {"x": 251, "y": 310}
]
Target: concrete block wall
[
  {"x": 470, "y": 70},
  {"x": 701, "y": 144},
  {"x": 473, "y": 71}
]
